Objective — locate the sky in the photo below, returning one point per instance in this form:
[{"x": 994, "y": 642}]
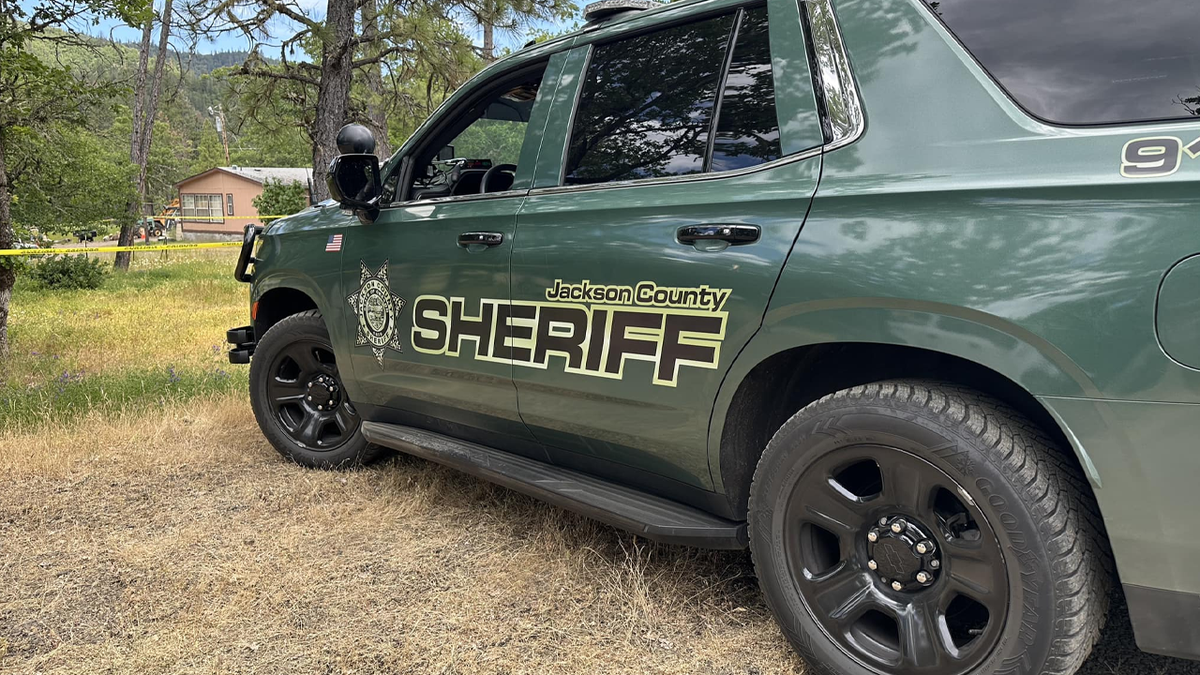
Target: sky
[{"x": 314, "y": 8}]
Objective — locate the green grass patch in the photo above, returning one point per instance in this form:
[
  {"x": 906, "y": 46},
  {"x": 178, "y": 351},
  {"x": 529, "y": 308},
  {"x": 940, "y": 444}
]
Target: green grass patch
[
  {"x": 146, "y": 337},
  {"x": 64, "y": 399}
]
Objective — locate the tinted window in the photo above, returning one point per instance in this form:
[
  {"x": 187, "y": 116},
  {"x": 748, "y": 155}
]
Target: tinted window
[
  {"x": 747, "y": 128},
  {"x": 1086, "y": 61},
  {"x": 646, "y": 105}
]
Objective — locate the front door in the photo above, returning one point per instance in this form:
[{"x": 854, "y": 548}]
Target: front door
[
  {"x": 648, "y": 265},
  {"x": 420, "y": 279}
]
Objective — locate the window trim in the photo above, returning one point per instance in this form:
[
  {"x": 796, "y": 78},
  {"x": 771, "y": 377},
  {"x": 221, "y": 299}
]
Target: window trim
[
  {"x": 833, "y": 83},
  {"x": 722, "y": 83},
  {"x": 1008, "y": 96},
  {"x": 841, "y": 86}
]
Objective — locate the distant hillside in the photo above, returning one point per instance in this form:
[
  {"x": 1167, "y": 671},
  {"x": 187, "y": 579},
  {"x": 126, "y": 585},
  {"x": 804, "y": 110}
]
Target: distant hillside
[
  {"x": 202, "y": 64},
  {"x": 199, "y": 64}
]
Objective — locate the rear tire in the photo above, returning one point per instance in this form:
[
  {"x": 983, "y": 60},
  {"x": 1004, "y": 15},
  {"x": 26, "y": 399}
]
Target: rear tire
[
  {"x": 298, "y": 398},
  {"x": 987, "y": 530}
]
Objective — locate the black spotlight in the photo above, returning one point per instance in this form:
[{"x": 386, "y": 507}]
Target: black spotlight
[{"x": 355, "y": 139}]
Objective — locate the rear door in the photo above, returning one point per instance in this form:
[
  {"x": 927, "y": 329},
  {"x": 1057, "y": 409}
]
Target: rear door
[{"x": 687, "y": 154}]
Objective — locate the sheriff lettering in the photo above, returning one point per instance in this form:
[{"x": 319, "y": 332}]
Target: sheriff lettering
[{"x": 592, "y": 329}]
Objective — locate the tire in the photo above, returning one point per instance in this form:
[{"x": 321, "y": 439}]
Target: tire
[
  {"x": 298, "y": 398},
  {"x": 989, "y": 531}
]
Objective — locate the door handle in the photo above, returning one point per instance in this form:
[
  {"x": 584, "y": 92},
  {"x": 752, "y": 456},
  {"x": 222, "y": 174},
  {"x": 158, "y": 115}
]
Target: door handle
[
  {"x": 730, "y": 233},
  {"x": 475, "y": 239}
]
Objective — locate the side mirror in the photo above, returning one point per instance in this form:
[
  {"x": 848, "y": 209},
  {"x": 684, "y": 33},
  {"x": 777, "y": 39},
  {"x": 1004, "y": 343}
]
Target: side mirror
[
  {"x": 446, "y": 153},
  {"x": 353, "y": 182}
]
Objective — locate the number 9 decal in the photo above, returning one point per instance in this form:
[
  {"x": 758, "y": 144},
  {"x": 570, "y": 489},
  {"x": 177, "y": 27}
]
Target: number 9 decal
[{"x": 1151, "y": 157}]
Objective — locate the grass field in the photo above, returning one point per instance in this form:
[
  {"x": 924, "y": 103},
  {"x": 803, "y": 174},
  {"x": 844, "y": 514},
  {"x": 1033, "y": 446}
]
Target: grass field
[
  {"x": 149, "y": 337},
  {"x": 146, "y": 527}
]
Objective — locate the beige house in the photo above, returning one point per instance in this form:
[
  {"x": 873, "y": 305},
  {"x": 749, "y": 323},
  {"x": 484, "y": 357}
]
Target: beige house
[{"x": 221, "y": 200}]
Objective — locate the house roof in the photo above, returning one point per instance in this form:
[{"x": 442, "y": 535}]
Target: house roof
[{"x": 259, "y": 174}]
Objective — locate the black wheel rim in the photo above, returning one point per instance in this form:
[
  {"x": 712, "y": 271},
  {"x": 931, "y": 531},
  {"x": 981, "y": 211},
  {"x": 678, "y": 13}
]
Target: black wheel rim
[
  {"x": 896, "y": 562},
  {"x": 307, "y": 398}
]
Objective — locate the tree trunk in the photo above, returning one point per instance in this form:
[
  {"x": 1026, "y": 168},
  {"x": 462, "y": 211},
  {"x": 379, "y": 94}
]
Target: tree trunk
[
  {"x": 333, "y": 94},
  {"x": 8, "y": 275},
  {"x": 376, "y": 108},
  {"x": 144, "y": 112},
  {"x": 489, "y": 41}
]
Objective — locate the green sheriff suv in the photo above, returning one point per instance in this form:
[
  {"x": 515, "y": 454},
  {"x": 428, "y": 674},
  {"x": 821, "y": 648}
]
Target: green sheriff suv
[{"x": 903, "y": 295}]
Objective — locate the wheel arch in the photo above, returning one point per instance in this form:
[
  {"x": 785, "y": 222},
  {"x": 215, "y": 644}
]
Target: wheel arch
[
  {"x": 276, "y": 302},
  {"x": 791, "y": 363}
]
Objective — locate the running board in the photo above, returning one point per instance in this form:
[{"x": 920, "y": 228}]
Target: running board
[{"x": 652, "y": 517}]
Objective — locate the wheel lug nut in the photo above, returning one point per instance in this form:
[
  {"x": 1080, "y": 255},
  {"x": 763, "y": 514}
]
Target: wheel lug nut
[
  {"x": 897, "y": 586},
  {"x": 898, "y": 526},
  {"x": 921, "y": 548},
  {"x": 872, "y": 536},
  {"x": 934, "y": 564},
  {"x": 923, "y": 577},
  {"x": 310, "y": 398},
  {"x": 882, "y": 522},
  {"x": 873, "y": 565}
]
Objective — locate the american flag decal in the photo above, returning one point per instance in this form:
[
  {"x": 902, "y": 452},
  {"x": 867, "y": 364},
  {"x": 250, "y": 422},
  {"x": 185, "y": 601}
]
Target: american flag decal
[{"x": 334, "y": 244}]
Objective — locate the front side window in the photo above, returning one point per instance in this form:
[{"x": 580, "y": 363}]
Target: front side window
[
  {"x": 1086, "y": 61},
  {"x": 489, "y": 134}
]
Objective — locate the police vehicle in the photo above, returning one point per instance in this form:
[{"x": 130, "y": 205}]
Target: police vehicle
[{"x": 900, "y": 294}]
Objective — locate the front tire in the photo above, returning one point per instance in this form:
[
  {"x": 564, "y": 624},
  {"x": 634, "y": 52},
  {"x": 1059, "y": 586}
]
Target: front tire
[
  {"x": 298, "y": 399},
  {"x": 925, "y": 529}
]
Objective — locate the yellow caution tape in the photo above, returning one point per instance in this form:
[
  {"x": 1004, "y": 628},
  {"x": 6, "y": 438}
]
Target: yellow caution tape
[
  {"x": 112, "y": 249},
  {"x": 216, "y": 218}
]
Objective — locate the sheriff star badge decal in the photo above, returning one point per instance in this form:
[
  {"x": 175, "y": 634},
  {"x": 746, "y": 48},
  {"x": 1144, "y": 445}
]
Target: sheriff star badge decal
[{"x": 377, "y": 309}]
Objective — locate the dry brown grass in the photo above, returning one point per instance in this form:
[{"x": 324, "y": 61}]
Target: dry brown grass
[{"x": 184, "y": 544}]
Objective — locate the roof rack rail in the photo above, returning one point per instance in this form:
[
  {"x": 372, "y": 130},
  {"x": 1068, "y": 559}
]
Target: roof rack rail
[{"x": 607, "y": 9}]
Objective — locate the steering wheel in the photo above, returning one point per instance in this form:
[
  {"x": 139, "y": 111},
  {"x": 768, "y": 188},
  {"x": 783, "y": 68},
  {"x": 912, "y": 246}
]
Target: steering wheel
[{"x": 491, "y": 173}]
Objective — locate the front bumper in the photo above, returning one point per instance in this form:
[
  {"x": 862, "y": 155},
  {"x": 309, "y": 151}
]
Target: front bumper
[{"x": 243, "y": 342}]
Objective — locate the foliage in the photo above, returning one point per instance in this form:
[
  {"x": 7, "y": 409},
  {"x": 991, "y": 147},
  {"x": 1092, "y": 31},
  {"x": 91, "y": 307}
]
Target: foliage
[
  {"x": 75, "y": 272},
  {"x": 497, "y": 140},
  {"x": 68, "y": 177},
  {"x": 279, "y": 198}
]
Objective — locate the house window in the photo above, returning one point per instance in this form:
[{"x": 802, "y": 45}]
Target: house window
[
  {"x": 206, "y": 208},
  {"x": 229, "y": 204}
]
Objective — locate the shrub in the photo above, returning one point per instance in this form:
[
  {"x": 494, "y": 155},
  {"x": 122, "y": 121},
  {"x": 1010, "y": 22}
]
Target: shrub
[
  {"x": 69, "y": 271},
  {"x": 281, "y": 199}
]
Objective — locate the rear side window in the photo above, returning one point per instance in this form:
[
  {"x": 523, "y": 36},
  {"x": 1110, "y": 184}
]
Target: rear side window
[
  {"x": 747, "y": 127},
  {"x": 1086, "y": 61},
  {"x": 649, "y": 104}
]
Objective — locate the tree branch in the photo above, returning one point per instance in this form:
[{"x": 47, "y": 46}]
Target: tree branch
[{"x": 272, "y": 75}]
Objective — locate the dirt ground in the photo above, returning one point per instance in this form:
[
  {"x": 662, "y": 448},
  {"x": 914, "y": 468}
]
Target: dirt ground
[{"x": 184, "y": 544}]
